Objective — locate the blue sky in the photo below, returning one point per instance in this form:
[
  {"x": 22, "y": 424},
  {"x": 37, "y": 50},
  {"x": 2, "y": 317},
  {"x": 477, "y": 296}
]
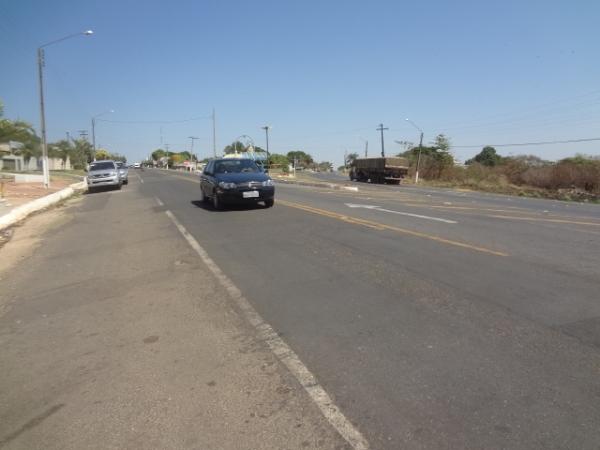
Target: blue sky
[{"x": 323, "y": 74}]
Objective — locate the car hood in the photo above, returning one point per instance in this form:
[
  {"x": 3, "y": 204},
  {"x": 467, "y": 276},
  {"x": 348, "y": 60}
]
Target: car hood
[
  {"x": 241, "y": 177},
  {"x": 100, "y": 171}
]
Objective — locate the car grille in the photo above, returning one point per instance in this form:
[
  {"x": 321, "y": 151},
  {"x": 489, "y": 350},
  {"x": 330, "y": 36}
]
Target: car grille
[
  {"x": 101, "y": 175},
  {"x": 250, "y": 184}
]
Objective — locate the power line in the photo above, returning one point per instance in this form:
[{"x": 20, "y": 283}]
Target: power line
[
  {"x": 521, "y": 144},
  {"x": 191, "y": 119}
]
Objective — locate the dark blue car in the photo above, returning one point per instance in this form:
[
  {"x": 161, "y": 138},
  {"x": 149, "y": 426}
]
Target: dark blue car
[{"x": 231, "y": 180}]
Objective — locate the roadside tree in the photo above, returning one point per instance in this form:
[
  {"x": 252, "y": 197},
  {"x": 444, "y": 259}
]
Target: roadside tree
[
  {"x": 303, "y": 159},
  {"x": 486, "y": 157}
]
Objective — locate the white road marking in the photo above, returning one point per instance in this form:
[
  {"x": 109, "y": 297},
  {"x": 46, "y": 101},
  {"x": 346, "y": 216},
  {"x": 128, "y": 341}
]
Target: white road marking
[
  {"x": 281, "y": 350},
  {"x": 139, "y": 178},
  {"x": 418, "y": 216},
  {"x": 158, "y": 201}
]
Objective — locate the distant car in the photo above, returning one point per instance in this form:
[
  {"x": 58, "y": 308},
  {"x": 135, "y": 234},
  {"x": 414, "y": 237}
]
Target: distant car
[
  {"x": 123, "y": 172},
  {"x": 235, "y": 181},
  {"x": 103, "y": 173},
  {"x": 136, "y": 165}
]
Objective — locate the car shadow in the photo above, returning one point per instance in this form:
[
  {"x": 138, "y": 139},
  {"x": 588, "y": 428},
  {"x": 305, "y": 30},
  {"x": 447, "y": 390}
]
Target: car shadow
[
  {"x": 230, "y": 207},
  {"x": 99, "y": 189}
]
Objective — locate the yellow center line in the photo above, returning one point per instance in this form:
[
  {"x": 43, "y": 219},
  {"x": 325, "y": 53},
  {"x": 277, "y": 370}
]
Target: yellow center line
[
  {"x": 381, "y": 226},
  {"x": 539, "y": 219}
]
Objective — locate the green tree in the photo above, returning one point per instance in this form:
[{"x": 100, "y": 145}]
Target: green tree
[
  {"x": 350, "y": 157},
  {"x": 22, "y": 132},
  {"x": 60, "y": 149},
  {"x": 303, "y": 159},
  {"x": 158, "y": 153},
  {"x": 486, "y": 157},
  {"x": 279, "y": 160},
  {"x": 442, "y": 142},
  {"x": 102, "y": 154},
  {"x": 325, "y": 166},
  {"x": 81, "y": 154},
  {"x": 118, "y": 157},
  {"x": 234, "y": 147}
]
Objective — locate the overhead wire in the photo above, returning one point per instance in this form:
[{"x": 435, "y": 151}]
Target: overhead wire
[
  {"x": 155, "y": 122},
  {"x": 522, "y": 144}
]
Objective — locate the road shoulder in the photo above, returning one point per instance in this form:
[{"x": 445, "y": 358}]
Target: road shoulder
[{"x": 151, "y": 355}]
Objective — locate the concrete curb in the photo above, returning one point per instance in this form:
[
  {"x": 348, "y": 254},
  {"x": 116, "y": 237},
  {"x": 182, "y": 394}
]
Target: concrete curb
[
  {"x": 318, "y": 184},
  {"x": 21, "y": 212}
]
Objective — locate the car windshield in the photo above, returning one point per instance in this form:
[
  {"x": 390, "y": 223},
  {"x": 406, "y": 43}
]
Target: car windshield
[
  {"x": 106, "y": 165},
  {"x": 236, "y": 166}
]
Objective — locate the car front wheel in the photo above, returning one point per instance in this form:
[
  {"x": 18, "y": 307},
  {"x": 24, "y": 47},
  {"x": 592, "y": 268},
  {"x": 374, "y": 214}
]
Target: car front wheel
[
  {"x": 216, "y": 202},
  {"x": 269, "y": 203}
]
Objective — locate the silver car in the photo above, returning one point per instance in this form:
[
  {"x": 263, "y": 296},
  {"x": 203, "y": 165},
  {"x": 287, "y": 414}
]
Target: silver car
[
  {"x": 123, "y": 172},
  {"x": 103, "y": 173}
]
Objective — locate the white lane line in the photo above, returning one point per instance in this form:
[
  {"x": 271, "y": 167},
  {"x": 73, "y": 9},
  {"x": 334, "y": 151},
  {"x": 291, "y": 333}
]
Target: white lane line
[
  {"x": 158, "y": 201},
  {"x": 139, "y": 178},
  {"x": 418, "y": 216},
  {"x": 281, "y": 350}
]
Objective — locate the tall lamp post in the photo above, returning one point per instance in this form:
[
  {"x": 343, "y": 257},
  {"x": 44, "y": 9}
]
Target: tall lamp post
[
  {"x": 267, "y": 128},
  {"x": 193, "y": 138},
  {"x": 41, "y": 62},
  {"x": 420, "y": 148},
  {"x": 110, "y": 111}
]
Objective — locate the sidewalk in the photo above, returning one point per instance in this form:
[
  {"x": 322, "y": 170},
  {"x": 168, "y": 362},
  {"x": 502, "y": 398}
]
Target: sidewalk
[
  {"x": 116, "y": 335},
  {"x": 17, "y": 194}
]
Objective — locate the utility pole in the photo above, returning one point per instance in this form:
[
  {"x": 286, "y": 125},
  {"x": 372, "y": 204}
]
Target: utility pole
[
  {"x": 94, "y": 136},
  {"x": 41, "y": 63},
  {"x": 420, "y": 148},
  {"x": 193, "y": 138},
  {"x": 83, "y": 134},
  {"x": 45, "y": 168},
  {"x": 266, "y": 128},
  {"x": 419, "y": 158},
  {"x": 381, "y": 128},
  {"x": 214, "y": 133},
  {"x": 167, "y": 150}
]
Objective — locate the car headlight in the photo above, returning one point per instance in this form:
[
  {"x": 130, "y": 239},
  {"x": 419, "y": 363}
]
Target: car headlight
[
  {"x": 225, "y": 185},
  {"x": 268, "y": 182},
  {"x": 112, "y": 174}
]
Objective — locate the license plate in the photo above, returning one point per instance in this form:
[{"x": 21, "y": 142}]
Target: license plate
[{"x": 250, "y": 194}]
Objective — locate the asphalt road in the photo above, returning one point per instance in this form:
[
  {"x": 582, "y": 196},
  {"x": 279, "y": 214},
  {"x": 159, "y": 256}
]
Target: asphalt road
[
  {"x": 438, "y": 319},
  {"x": 435, "y": 319}
]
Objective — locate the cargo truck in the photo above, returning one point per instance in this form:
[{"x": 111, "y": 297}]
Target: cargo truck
[{"x": 379, "y": 170}]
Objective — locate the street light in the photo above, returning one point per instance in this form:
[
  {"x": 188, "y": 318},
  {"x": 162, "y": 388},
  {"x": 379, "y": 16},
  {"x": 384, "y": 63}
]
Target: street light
[
  {"x": 420, "y": 148},
  {"x": 40, "y": 58},
  {"x": 110, "y": 111},
  {"x": 266, "y": 128},
  {"x": 193, "y": 138}
]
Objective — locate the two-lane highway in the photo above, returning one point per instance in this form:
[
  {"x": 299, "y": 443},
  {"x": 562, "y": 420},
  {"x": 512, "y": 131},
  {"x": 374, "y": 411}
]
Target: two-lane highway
[{"x": 434, "y": 321}]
